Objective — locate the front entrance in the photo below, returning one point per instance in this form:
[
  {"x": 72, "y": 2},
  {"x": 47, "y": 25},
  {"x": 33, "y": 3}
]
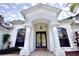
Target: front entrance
[{"x": 41, "y": 40}]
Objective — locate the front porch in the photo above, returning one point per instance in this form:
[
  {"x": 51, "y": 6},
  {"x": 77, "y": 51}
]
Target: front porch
[{"x": 41, "y": 52}]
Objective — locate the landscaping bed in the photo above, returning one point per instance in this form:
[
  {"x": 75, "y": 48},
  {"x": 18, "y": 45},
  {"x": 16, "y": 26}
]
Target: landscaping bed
[
  {"x": 9, "y": 50},
  {"x": 72, "y": 53}
]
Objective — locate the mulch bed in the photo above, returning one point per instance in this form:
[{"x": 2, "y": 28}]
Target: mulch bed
[
  {"x": 9, "y": 50},
  {"x": 72, "y": 53}
]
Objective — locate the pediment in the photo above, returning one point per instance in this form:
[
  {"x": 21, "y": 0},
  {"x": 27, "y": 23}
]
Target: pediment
[{"x": 41, "y": 7}]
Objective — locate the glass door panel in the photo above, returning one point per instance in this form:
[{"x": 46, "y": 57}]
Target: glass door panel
[
  {"x": 38, "y": 40},
  {"x": 43, "y": 40}
]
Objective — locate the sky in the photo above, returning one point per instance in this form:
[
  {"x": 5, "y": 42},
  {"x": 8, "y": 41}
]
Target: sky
[{"x": 12, "y": 11}]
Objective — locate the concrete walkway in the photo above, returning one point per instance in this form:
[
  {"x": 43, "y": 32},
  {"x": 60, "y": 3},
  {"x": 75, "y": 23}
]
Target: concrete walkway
[{"x": 41, "y": 52}]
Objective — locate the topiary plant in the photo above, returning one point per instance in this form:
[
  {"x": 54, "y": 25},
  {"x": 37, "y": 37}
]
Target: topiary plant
[{"x": 5, "y": 38}]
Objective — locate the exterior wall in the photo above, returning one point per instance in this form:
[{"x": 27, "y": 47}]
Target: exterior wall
[
  {"x": 70, "y": 36},
  {"x": 3, "y": 31},
  {"x": 75, "y": 28},
  {"x": 52, "y": 43},
  {"x": 14, "y": 34}
]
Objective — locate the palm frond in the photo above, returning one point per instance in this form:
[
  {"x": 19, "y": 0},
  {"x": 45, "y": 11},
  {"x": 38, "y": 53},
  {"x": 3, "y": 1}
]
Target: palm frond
[{"x": 74, "y": 7}]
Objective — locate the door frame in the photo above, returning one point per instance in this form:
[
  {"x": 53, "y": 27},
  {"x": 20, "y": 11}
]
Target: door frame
[{"x": 45, "y": 36}]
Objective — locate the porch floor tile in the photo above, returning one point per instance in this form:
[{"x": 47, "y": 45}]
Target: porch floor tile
[{"x": 41, "y": 52}]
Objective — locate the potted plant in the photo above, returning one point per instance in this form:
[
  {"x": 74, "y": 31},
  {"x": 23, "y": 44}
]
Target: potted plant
[{"x": 5, "y": 38}]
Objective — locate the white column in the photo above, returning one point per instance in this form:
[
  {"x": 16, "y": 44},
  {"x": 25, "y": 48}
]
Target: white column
[
  {"x": 26, "y": 50},
  {"x": 56, "y": 38},
  {"x": 32, "y": 40},
  {"x": 51, "y": 40},
  {"x": 57, "y": 49}
]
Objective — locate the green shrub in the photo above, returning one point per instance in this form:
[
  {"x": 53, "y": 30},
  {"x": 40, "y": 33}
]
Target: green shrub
[{"x": 5, "y": 38}]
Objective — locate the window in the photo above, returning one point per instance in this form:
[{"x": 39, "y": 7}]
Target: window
[
  {"x": 63, "y": 37},
  {"x": 20, "y": 38}
]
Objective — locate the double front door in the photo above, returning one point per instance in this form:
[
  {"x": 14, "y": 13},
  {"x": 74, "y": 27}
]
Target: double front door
[{"x": 41, "y": 40}]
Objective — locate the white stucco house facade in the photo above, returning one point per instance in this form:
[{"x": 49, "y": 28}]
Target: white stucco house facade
[
  {"x": 4, "y": 29},
  {"x": 41, "y": 29},
  {"x": 2, "y": 32}
]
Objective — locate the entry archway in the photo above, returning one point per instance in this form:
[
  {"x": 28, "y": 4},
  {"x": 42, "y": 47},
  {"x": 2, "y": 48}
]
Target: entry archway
[
  {"x": 41, "y": 29},
  {"x": 37, "y": 14}
]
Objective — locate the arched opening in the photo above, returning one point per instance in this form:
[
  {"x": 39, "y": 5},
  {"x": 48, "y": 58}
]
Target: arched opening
[{"x": 41, "y": 33}]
